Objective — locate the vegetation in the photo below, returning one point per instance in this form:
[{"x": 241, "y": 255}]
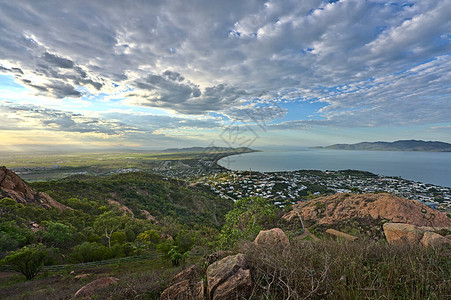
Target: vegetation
[
  {"x": 364, "y": 269},
  {"x": 169, "y": 225},
  {"x": 28, "y": 260},
  {"x": 111, "y": 217},
  {"x": 245, "y": 221}
]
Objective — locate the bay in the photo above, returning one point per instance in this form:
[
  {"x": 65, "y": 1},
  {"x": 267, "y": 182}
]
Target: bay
[{"x": 426, "y": 167}]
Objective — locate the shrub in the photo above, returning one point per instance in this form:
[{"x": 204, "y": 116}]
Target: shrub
[
  {"x": 28, "y": 260},
  {"x": 87, "y": 252},
  {"x": 245, "y": 221}
]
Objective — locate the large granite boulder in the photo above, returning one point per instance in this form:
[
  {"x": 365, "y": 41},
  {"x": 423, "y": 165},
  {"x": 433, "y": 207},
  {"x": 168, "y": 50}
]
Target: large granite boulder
[
  {"x": 400, "y": 233},
  {"x": 432, "y": 239},
  {"x": 272, "y": 238}
]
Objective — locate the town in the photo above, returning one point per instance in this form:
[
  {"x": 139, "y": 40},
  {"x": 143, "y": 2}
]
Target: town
[{"x": 286, "y": 188}]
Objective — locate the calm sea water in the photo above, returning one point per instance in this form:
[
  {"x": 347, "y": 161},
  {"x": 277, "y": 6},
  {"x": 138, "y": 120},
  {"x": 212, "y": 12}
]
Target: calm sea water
[{"x": 427, "y": 167}]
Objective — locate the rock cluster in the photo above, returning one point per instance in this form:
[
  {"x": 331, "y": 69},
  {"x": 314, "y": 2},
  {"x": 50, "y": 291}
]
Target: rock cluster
[
  {"x": 227, "y": 276},
  {"x": 400, "y": 233},
  {"x": 12, "y": 186}
]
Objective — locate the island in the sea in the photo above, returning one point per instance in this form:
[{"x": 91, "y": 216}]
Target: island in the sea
[{"x": 402, "y": 145}]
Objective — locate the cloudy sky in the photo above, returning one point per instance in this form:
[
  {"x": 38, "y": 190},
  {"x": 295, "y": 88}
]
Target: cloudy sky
[{"x": 159, "y": 74}]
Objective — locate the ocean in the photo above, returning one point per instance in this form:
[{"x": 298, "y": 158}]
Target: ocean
[{"x": 426, "y": 167}]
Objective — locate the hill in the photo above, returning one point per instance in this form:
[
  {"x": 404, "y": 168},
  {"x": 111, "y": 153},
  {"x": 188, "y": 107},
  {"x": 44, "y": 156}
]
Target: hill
[
  {"x": 363, "y": 214},
  {"x": 403, "y": 145},
  {"x": 140, "y": 191},
  {"x": 12, "y": 186}
]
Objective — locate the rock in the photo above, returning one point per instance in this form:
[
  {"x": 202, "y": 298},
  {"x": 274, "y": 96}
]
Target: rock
[
  {"x": 124, "y": 209},
  {"x": 341, "y": 234},
  {"x": 189, "y": 274},
  {"x": 432, "y": 239},
  {"x": 237, "y": 286},
  {"x": 178, "y": 291},
  {"x": 273, "y": 238},
  {"x": 338, "y": 208},
  {"x": 400, "y": 233},
  {"x": 12, "y": 186},
  {"x": 91, "y": 288},
  {"x": 184, "y": 286},
  {"x": 217, "y": 256},
  {"x": 149, "y": 216},
  {"x": 81, "y": 276},
  {"x": 229, "y": 277}
]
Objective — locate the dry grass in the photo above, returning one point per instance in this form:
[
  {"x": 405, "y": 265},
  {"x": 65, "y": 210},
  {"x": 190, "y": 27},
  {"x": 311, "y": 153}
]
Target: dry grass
[{"x": 350, "y": 270}]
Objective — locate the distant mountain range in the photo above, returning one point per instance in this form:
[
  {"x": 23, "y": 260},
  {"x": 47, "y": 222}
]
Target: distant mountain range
[{"x": 404, "y": 145}]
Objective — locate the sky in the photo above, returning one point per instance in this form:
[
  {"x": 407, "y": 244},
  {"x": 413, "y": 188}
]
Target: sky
[{"x": 261, "y": 74}]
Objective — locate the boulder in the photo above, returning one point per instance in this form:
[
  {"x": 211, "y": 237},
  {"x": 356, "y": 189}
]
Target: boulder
[
  {"x": 91, "y": 288},
  {"x": 190, "y": 274},
  {"x": 184, "y": 290},
  {"x": 273, "y": 238},
  {"x": 185, "y": 287},
  {"x": 237, "y": 286},
  {"x": 432, "y": 239},
  {"x": 400, "y": 233},
  {"x": 229, "y": 278},
  {"x": 335, "y": 209}
]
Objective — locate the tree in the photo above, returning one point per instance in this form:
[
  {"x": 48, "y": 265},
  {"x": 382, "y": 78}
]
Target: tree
[
  {"x": 28, "y": 260},
  {"x": 108, "y": 223},
  {"x": 57, "y": 234},
  {"x": 246, "y": 220},
  {"x": 176, "y": 256},
  {"x": 87, "y": 252}
]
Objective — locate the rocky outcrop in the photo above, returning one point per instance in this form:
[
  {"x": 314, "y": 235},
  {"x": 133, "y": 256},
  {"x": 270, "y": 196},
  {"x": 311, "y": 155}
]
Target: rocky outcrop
[
  {"x": 227, "y": 278},
  {"x": 432, "y": 239},
  {"x": 124, "y": 209},
  {"x": 186, "y": 285},
  {"x": 399, "y": 233},
  {"x": 148, "y": 216},
  {"x": 237, "y": 286},
  {"x": 272, "y": 238},
  {"x": 338, "y": 208},
  {"x": 93, "y": 287},
  {"x": 12, "y": 186}
]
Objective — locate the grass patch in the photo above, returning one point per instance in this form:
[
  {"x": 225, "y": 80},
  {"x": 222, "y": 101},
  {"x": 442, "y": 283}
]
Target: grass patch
[{"x": 342, "y": 270}]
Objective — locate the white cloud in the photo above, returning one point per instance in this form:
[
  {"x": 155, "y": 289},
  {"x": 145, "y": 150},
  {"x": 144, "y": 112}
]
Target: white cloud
[{"x": 372, "y": 62}]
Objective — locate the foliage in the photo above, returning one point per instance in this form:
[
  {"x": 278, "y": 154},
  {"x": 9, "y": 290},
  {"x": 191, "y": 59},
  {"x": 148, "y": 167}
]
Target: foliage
[
  {"x": 57, "y": 234},
  {"x": 107, "y": 223},
  {"x": 245, "y": 221},
  {"x": 87, "y": 252},
  {"x": 176, "y": 256},
  {"x": 28, "y": 260}
]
